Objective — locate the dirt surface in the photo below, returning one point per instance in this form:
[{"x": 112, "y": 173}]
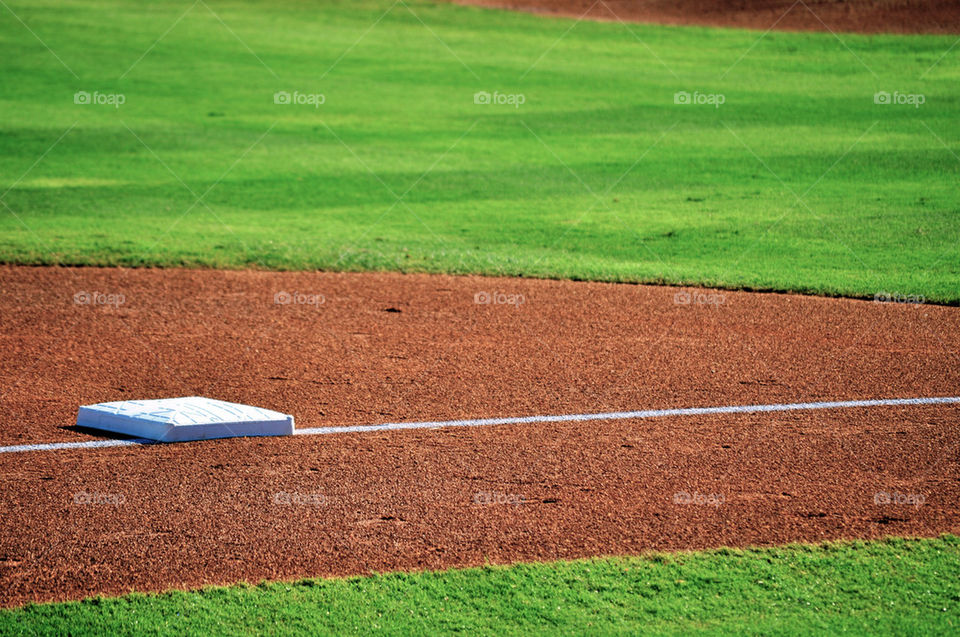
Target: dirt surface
[
  {"x": 861, "y": 16},
  {"x": 372, "y": 348}
]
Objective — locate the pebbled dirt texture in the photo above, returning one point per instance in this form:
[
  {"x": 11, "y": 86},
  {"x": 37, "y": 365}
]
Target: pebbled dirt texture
[{"x": 372, "y": 348}]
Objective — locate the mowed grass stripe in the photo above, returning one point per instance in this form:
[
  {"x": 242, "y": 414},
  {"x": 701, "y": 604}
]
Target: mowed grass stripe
[
  {"x": 597, "y": 175},
  {"x": 894, "y": 586}
]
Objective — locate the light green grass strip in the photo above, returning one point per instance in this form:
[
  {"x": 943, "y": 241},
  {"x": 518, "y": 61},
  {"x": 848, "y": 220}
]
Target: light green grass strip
[
  {"x": 895, "y": 586},
  {"x": 597, "y": 175}
]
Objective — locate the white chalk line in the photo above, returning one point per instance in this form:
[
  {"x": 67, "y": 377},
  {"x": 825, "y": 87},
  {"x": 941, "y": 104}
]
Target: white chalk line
[{"x": 487, "y": 422}]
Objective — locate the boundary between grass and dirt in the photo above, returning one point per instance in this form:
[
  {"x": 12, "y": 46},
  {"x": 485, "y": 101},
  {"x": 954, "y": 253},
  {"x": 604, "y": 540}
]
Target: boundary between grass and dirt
[
  {"x": 880, "y": 296},
  {"x": 893, "y": 585}
]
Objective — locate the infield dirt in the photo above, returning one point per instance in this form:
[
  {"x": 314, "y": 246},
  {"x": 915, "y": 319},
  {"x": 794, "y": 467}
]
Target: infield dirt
[
  {"x": 338, "y": 349},
  {"x": 863, "y": 16}
]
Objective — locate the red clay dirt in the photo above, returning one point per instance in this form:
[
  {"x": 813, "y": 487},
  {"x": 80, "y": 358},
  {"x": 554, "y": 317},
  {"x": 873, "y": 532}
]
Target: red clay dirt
[
  {"x": 373, "y": 348},
  {"x": 861, "y": 16}
]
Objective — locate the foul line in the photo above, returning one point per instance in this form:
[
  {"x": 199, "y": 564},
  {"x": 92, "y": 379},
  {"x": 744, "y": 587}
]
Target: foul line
[
  {"x": 487, "y": 422},
  {"x": 91, "y": 444}
]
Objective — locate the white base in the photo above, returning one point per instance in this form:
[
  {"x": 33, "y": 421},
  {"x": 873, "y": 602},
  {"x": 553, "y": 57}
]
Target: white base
[{"x": 181, "y": 419}]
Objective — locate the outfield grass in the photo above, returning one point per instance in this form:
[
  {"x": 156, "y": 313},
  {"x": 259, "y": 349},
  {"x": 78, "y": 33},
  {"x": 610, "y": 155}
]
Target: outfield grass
[
  {"x": 892, "y": 587},
  {"x": 598, "y": 175}
]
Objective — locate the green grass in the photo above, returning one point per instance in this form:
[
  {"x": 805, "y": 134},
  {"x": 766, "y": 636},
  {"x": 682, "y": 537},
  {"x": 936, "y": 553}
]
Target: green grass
[
  {"x": 690, "y": 194},
  {"x": 890, "y": 587}
]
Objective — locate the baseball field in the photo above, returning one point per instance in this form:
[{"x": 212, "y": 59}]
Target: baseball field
[{"x": 593, "y": 318}]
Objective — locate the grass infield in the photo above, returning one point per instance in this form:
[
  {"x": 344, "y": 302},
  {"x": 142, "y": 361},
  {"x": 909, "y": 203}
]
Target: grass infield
[
  {"x": 889, "y": 587},
  {"x": 797, "y": 181}
]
